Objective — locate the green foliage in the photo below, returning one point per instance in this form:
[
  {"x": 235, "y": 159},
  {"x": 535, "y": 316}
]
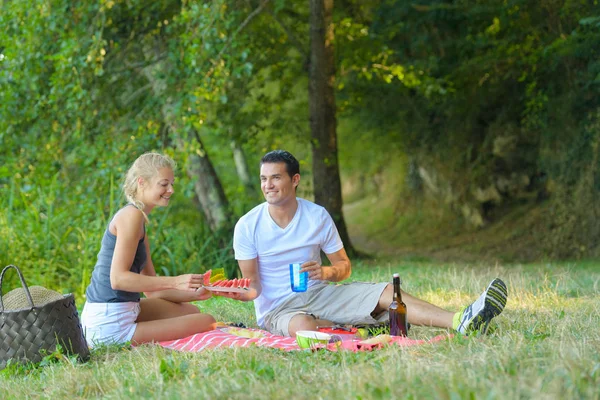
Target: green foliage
[
  {"x": 78, "y": 107},
  {"x": 485, "y": 73},
  {"x": 573, "y": 227},
  {"x": 57, "y": 246},
  {"x": 86, "y": 87}
]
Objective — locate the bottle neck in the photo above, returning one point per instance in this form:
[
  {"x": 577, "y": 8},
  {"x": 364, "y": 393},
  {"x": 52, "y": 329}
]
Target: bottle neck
[{"x": 397, "y": 294}]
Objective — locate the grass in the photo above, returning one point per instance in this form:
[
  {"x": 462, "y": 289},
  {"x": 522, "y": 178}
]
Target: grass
[{"x": 546, "y": 345}]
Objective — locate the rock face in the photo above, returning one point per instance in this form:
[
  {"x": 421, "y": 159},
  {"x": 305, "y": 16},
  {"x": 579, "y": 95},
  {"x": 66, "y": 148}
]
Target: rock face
[{"x": 508, "y": 175}]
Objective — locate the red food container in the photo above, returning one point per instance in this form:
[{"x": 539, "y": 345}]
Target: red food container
[{"x": 343, "y": 333}]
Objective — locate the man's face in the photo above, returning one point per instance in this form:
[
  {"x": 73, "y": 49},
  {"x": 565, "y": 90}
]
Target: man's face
[{"x": 276, "y": 184}]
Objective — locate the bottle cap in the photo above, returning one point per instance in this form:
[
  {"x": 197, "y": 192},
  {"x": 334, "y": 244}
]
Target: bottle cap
[{"x": 396, "y": 275}]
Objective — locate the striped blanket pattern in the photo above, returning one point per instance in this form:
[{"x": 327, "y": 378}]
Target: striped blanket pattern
[{"x": 219, "y": 338}]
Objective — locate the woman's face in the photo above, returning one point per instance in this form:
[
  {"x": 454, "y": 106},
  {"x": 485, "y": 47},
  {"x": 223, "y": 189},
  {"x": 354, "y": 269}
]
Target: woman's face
[{"x": 158, "y": 191}]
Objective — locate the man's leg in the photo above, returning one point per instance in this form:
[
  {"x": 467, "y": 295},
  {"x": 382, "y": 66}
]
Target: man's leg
[
  {"x": 471, "y": 318},
  {"x": 419, "y": 312},
  {"x": 306, "y": 322}
]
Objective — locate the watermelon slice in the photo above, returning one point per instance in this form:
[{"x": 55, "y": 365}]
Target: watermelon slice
[
  {"x": 243, "y": 283},
  {"x": 207, "y": 277}
]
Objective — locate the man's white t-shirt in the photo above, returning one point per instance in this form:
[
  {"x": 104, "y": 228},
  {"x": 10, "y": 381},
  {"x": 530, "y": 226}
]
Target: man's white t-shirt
[{"x": 258, "y": 236}]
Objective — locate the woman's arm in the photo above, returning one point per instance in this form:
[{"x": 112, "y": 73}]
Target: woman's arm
[
  {"x": 180, "y": 296},
  {"x": 176, "y": 296},
  {"x": 128, "y": 226}
]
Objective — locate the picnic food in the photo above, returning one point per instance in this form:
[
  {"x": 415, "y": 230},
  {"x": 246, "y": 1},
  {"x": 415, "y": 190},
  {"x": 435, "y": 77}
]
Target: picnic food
[
  {"x": 243, "y": 283},
  {"x": 217, "y": 283},
  {"x": 207, "y": 277},
  {"x": 380, "y": 339},
  {"x": 210, "y": 277},
  {"x": 245, "y": 332}
]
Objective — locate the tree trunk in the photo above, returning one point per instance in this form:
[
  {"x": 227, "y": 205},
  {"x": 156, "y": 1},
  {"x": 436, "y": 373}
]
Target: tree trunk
[
  {"x": 209, "y": 190},
  {"x": 326, "y": 175},
  {"x": 241, "y": 166}
]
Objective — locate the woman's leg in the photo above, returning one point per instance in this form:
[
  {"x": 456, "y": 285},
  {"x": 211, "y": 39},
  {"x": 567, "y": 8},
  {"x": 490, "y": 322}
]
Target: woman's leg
[
  {"x": 153, "y": 309},
  {"x": 161, "y": 320}
]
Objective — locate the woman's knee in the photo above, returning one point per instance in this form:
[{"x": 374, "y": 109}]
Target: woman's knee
[
  {"x": 182, "y": 308},
  {"x": 206, "y": 322},
  {"x": 189, "y": 308}
]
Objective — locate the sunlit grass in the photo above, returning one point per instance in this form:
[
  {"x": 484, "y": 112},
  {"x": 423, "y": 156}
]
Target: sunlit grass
[{"x": 546, "y": 344}]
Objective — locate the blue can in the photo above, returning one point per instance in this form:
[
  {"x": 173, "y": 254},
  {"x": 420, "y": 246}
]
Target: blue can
[{"x": 298, "y": 281}]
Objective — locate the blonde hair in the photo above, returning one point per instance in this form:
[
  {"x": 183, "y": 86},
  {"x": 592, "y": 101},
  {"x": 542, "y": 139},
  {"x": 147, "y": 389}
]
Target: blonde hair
[{"x": 146, "y": 167}]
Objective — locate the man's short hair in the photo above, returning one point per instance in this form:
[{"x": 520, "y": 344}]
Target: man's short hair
[{"x": 292, "y": 165}]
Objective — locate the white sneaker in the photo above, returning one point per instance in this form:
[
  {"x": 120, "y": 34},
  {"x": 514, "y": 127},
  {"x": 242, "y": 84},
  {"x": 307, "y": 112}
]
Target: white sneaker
[{"x": 479, "y": 314}]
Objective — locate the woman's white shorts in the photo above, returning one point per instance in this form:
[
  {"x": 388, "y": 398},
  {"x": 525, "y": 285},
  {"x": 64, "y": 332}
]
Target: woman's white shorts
[{"x": 109, "y": 323}]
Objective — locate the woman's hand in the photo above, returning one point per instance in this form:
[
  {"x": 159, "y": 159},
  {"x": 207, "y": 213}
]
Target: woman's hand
[
  {"x": 203, "y": 294},
  {"x": 189, "y": 282}
]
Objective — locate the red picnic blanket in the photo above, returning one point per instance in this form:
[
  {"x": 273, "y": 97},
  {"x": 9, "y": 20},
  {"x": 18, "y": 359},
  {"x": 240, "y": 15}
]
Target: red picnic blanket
[{"x": 221, "y": 337}]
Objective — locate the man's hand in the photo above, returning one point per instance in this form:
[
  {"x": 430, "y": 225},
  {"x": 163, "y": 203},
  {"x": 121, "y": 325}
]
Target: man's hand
[
  {"x": 231, "y": 295},
  {"x": 314, "y": 269},
  {"x": 249, "y": 295}
]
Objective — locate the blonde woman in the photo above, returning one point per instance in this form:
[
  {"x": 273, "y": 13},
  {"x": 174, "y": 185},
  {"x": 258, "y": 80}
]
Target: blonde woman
[{"x": 114, "y": 311}]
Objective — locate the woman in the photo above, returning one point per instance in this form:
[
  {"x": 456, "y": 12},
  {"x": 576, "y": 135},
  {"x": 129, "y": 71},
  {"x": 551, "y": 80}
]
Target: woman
[{"x": 114, "y": 311}]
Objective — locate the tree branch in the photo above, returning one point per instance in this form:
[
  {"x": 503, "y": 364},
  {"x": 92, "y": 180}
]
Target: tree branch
[{"x": 250, "y": 16}]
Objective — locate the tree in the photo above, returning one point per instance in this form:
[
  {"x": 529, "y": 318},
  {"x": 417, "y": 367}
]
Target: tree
[{"x": 326, "y": 174}]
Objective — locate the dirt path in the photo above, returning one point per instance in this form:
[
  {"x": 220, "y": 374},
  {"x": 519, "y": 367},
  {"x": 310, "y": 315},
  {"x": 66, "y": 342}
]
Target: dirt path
[{"x": 509, "y": 239}]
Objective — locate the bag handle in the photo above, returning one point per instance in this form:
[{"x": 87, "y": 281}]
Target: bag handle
[{"x": 22, "y": 283}]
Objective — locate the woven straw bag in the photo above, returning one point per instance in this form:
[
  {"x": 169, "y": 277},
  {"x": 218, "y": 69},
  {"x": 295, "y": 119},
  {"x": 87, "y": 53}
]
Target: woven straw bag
[{"x": 29, "y": 328}]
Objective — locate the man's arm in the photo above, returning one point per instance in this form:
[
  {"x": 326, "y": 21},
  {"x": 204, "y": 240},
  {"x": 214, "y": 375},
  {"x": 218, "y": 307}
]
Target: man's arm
[{"x": 339, "y": 270}]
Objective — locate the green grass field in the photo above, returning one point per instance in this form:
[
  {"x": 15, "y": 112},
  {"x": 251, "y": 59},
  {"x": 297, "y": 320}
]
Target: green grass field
[{"x": 546, "y": 345}]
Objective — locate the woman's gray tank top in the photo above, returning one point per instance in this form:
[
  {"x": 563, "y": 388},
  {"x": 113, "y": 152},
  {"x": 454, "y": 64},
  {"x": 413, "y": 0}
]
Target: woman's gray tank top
[{"x": 100, "y": 290}]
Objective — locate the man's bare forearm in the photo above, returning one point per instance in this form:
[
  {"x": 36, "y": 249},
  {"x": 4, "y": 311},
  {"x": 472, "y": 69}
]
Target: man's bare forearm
[{"x": 337, "y": 272}]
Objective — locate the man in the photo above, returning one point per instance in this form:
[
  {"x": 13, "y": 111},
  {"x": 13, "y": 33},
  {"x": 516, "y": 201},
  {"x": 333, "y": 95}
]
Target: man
[{"x": 286, "y": 229}]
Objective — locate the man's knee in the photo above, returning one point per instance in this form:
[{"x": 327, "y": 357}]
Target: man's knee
[
  {"x": 384, "y": 301},
  {"x": 302, "y": 322}
]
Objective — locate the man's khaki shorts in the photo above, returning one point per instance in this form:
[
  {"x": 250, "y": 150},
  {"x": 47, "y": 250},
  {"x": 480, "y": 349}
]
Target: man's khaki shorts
[{"x": 350, "y": 303}]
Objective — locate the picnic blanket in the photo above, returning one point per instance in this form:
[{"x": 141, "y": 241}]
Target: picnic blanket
[{"x": 223, "y": 337}]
